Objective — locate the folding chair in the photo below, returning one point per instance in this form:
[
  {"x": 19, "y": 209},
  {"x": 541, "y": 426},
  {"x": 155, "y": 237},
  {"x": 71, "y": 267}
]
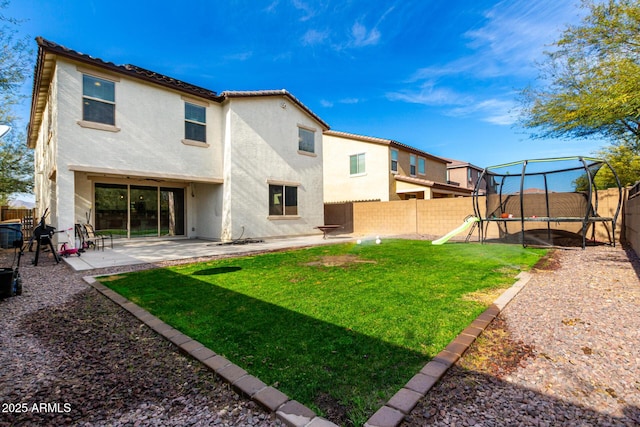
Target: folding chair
[{"x": 92, "y": 238}]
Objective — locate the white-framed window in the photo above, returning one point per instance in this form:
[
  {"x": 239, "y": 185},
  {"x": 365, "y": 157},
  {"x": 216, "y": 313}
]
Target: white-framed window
[
  {"x": 469, "y": 175},
  {"x": 412, "y": 164},
  {"x": 195, "y": 122},
  {"x": 283, "y": 200},
  {"x": 394, "y": 161},
  {"x": 422, "y": 165},
  {"x": 98, "y": 100},
  {"x": 357, "y": 164},
  {"x": 306, "y": 140}
]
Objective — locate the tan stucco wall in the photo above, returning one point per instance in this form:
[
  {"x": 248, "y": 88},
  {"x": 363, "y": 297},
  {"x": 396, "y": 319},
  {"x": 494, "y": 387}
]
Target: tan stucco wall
[
  {"x": 437, "y": 217},
  {"x": 632, "y": 223},
  {"x": 250, "y": 141},
  {"x": 340, "y": 185},
  {"x": 261, "y": 146}
]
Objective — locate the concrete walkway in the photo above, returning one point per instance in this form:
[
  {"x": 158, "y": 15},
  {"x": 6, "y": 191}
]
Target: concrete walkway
[{"x": 144, "y": 251}]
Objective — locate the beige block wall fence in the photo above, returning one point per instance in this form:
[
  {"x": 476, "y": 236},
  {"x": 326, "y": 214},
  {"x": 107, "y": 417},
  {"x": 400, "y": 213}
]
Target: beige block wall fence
[
  {"x": 632, "y": 222},
  {"x": 436, "y": 217}
]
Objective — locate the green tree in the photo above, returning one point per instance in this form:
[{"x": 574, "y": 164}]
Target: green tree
[
  {"x": 624, "y": 160},
  {"x": 16, "y": 161},
  {"x": 16, "y": 166},
  {"x": 591, "y": 79}
]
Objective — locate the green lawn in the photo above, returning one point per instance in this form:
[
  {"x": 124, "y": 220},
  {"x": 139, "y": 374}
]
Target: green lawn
[{"x": 339, "y": 327}]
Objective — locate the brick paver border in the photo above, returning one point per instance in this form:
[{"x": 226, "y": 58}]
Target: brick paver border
[{"x": 295, "y": 414}]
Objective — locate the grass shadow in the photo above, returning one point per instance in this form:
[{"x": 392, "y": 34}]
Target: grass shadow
[
  {"x": 216, "y": 270},
  {"x": 344, "y": 374}
]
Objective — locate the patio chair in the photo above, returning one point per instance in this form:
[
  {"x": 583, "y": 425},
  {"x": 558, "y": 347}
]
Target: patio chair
[{"x": 91, "y": 237}]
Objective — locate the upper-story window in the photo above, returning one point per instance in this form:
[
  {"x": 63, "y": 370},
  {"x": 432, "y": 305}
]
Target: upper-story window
[
  {"x": 394, "y": 161},
  {"x": 195, "y": 122},
  {"x": 412, "y": 164},
  {"x": 306, "y": 140},
  {"x": 98, "y": 100},
  {"x": 422, "y": 166},
  {"x": 356, "y": 164}
]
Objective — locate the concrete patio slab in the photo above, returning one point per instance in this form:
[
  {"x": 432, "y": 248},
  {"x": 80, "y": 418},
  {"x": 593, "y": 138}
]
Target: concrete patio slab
[{"x": 143, "y": 251}]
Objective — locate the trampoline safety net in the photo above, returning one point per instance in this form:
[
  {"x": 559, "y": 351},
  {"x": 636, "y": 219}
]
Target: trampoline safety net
[{"x": 543, "y": 201}]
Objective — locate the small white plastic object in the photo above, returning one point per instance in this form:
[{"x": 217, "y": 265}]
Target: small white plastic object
[{"x": 358, "y": 241}]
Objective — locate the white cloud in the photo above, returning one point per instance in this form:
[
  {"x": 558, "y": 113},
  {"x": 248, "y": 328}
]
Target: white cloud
[
  {"x": 314, "y": 37},
  {"x": 271, "y": 8},
  {"x": 512, "y": 35},
  {"x": 500, "y": 112},
  {"x": 328, "y": 104},
  {"x": 516, "y": 33},
  {"x": 240, "y": 56},
  {"x": 308, "y": 10},
  {"x": 495, "y": 111},
  {"x": 361, "y": 36},
  {"x": 429, "y": 94}
]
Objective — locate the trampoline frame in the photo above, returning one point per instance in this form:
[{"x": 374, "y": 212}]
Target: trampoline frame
[{"x": 588, "y": 218}]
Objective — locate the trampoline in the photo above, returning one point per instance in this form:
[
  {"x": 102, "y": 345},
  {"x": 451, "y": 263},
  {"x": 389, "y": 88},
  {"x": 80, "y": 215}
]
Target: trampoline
[{"x": 546, "y": 202}]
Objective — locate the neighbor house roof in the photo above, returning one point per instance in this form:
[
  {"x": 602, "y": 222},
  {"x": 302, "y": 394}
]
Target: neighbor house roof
[
  {"x": 455, "y": 164},
  {"x": 48, "y": 51},
  {"x": 433, "y": 184},
  {"x": 390, "y": 142}
]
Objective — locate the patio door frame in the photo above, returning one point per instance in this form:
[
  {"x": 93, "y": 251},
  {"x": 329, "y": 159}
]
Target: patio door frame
[{"x": 158, "y": 205}]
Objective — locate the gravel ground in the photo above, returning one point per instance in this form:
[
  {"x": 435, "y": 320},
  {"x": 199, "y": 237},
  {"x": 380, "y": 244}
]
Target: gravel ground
[
  {"x": 70, "y": 356},
  {"x": 564, "y": 352}
]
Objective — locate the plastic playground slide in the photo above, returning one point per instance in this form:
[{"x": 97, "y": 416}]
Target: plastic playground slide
[{"x": 468, "y": 222}]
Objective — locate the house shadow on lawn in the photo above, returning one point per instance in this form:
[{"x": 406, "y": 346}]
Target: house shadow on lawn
[
  {"x": 108, "y": 367},
  {"x": 342, "y": 374}
]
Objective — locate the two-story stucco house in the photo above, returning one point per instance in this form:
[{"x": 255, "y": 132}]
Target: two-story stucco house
[
  {"x": 364, "y": 168},
  {"x": 142, "y": 154},
  {"x": 464, "y": 174}
]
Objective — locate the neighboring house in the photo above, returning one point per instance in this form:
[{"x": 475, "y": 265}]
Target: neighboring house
[
  {"x": 143, "y": 154},
  {"x": 362, "y": 168},
  {"x": 464, "y": 174}
]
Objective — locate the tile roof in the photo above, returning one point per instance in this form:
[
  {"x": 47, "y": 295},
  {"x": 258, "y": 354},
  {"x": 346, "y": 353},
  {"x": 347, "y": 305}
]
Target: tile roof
[
  {"x": 460, "y": 164},
  {"x": 127, "y": 69},
  {"x": 433, "y": 184},
  {"x": 277, "y": 92},
  {"x": 48, "y": 51},
  {"x": 383, "y": 141}
]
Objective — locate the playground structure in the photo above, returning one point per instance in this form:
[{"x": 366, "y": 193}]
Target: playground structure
[
  {"x": 543, "y": 201},
  {"x": 469, "y": 222}
]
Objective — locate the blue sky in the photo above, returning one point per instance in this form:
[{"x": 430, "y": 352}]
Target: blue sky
[{"x": 442, "y": 76}]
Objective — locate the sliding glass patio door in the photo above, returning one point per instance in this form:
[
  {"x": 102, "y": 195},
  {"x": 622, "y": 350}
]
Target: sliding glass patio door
[
  {"x": 111, "y": 209},
  {"x": 139, "y": 211},
  {"x": 143, "y": 219},
  {"x": 171, "y": 211}
]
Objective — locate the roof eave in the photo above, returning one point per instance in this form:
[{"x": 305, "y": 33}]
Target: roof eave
[
  {"x": 387, "y": 142},
  {"x": 275, "y": 93},
  {"x": 50, "y": 51}
]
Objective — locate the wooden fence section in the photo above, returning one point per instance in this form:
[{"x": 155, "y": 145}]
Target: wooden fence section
[
  {"x": 8, "y": 214},
  {"x": 26, "y": 217}
]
